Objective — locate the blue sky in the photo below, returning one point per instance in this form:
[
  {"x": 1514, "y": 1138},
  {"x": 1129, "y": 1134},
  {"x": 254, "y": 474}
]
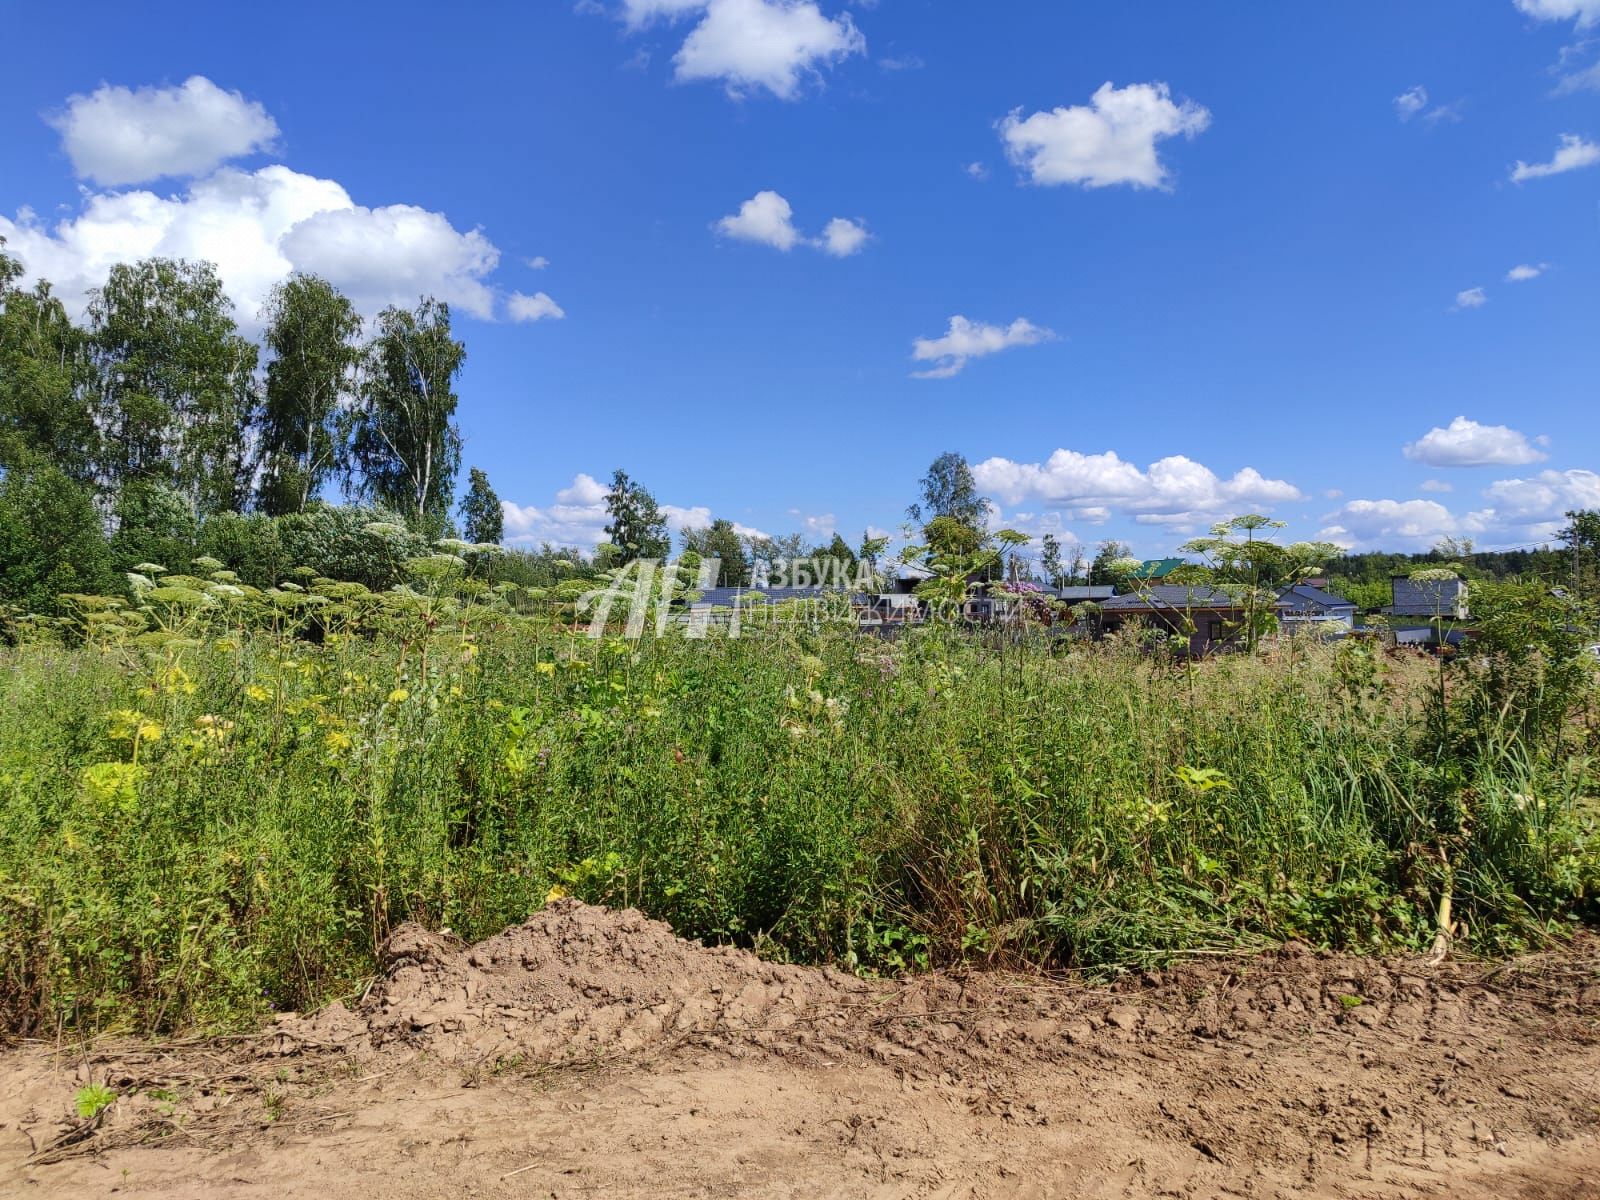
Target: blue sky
[{"x": 1164, "y": 262}]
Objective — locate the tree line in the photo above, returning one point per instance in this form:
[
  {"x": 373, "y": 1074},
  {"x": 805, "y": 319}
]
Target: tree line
[{"x": 154, "y": 418}]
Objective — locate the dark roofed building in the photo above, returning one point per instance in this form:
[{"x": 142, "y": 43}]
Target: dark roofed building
[
  {"x": 1304, "y": 605},
  {"x": 1208, "y": 617}
]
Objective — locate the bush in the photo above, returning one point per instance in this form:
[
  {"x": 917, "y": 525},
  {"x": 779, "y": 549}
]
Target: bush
[
  {"x": 50, "y": 540},
  {"x": 338, "y": 542}
]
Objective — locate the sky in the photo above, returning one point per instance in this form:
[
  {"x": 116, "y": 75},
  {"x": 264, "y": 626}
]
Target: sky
[{"x": 1145, "y": 266}]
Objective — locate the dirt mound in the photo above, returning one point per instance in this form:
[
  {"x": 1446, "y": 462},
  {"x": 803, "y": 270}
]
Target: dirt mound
[
  {"x": 575, "y": 983},
  {"x": 1293, "y": 1074}
]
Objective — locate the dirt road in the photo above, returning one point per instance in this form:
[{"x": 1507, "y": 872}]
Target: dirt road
[{"x": 592, "y": 1053}]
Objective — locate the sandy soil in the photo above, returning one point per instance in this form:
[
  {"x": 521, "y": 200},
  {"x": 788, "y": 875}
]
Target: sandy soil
[{"x": 592, "y": 1053}]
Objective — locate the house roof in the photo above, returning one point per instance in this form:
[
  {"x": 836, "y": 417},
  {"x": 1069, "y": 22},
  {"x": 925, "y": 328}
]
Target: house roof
[
  {"x": 1093, "y": 591},
  {"x": 729, "y": 596},
  {"x": 1305, "y": 598},
  {"x": 1171, "y": 596},
  {"x": 1157, "y": 568}
]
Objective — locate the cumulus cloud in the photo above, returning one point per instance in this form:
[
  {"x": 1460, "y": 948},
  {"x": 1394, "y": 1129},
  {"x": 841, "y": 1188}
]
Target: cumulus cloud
[
  {"x": 1173, "y": 491},
  {"x": 117, "y": 135},
  {"x": 1544, "y": 498},
  {"x": 1437, "y": 485},
  {"x": 772, "y": 44},
  {"x": 1473, "y": 297},
  {"x": 1584, "y": 12},
  {"x": 1466, "y": 443},
  {"x": 965, "y": 340},
  {"x": 538, "y": 262},
  {"x": 578, "y": 517},
  {"x": 1410, "y": 102},
  {"x": 1519, "y": 512},
  {"x": 1573, "y": 153},
  {"x": 1524, "y": 271},
  {"x": 1396, "y": 524},
  {"x": 537, "y": 307},
  {"x": 258, "y": 227},
  {"x": 842, "y": 237},
  {"x": 1110, "y": 140},
  {"x": 766, "y": 218}
]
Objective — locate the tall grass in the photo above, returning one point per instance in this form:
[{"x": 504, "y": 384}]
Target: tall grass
[{"x": 197, "y": 832}]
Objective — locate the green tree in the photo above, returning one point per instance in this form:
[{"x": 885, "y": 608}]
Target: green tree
[
  {"x": 637, "y": 528},
  {"x": 949, "y": 490},
  {"x": 312, "y": 333},
  {"x": 482, "y": 518},
  {"x": 1050, "y": 560},
  {"x": 51, "y": 541},
  {"x": 1581, "y": 538},
  {"x": 44, "y": 376},
  {"x": 723, "y": 542},
  {"x": 176, "y": 394},
  {"x": 1104, "y": 569},
  {"x": 406, "y": 447}
]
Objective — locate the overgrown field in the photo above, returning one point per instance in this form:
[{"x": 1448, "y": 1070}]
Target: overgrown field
[{"x": 203, "y": 827}]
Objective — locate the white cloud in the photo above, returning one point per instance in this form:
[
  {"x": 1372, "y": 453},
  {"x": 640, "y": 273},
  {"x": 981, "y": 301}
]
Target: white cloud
[
  {"x": 257, "y": 227},
  {"x": 765, "y": 218},
  {"x": 768, "y": 219},
  {"x": 538, "y": 262},
  {"x": 1584, "y": 12},
  {"x": 971, "y": 339},
  {"x": 1109, "y": 141},
  {"x": 638, "y": 13},
  {"x": 578, "y": 517},
  {"x": 1437, "y": 485},
  {"x": 1474, "y": 297},
  {"x": 1586, "y": 78},
  {"x": 1410, "y": 102},
  {"x": 819, "y": 527},
  {"x": 842, "y": 237},
  {"x": 1573, "y": 153},
  {"x": 118, "y": 135},
  {"x": 1523, "y": 271},
  {"x": 976, "y": 170},
  {"x": 537, "y": 307},
  {"x": 584, "y": 489},
  {"x": 1544, "y": 498},
  {"x": 1391, "y": 524},
  {"x": 1090, "y": 487},
  {"x": 772, "y": 44},
  {"x": 1466, "y": 443},
  {"x": 1520, "y": 512}
]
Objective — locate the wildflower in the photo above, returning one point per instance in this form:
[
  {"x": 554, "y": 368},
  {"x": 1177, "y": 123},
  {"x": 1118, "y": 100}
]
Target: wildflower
[
  {"x": 258, "y": 693},
  {"x": 398, "y": 696},
  {"x": 545, "y": 668}
]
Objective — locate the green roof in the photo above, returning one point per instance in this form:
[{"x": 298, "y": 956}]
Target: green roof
[{"x": 1157, "y": 568}]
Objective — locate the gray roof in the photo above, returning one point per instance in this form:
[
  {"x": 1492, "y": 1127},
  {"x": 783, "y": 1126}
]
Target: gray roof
[
  {"x": 1305, "y": 598},
  {"x": 729, "y": 596},
  {"x": 1094, "y": 591},
  {"x": 1171, "y": 595}
]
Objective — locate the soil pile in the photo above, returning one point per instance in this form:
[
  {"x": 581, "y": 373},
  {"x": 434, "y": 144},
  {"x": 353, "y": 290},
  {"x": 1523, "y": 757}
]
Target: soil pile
[{"x": 577, "y": 983}]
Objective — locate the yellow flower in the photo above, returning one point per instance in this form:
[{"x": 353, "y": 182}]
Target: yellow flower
[
  {"x": 545, "y": 668},
  {"x": 256, "y": 692},
  {"x": 398, "y": 696},
  {"x": 555, "y": 893}
]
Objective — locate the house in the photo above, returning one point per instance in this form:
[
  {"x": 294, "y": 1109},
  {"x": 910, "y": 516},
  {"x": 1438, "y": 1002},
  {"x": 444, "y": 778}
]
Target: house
[
  {"x": 1306, "y": 606},
  {"x": 1431, "y": 598},
  {"x": 1208, "y": 617}
]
